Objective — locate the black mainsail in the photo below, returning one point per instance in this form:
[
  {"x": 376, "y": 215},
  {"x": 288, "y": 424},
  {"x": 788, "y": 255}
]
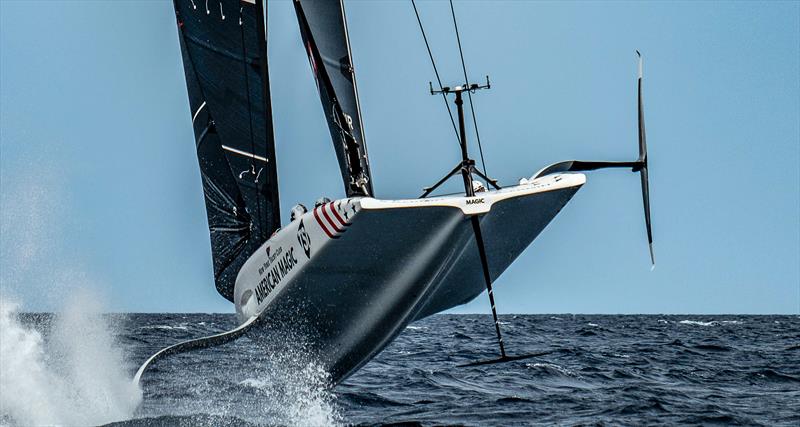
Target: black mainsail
[
  {"x": 224, "y": 49},
  {"x": 323, "y": 27}
]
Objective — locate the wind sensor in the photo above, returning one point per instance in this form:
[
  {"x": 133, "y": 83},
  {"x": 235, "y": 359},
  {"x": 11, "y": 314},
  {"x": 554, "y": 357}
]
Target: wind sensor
[{"x": 467, "y": 165}]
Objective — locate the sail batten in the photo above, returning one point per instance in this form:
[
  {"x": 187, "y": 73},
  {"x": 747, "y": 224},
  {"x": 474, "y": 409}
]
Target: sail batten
[
  {"x": 226, "y": 53},
  {"x": 225, "y": 63},
  {"x": 323, "y": 28}
]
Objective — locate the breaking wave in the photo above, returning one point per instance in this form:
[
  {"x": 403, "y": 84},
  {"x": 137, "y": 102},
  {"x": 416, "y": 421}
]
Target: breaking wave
[{"x": 710, "y": 323}]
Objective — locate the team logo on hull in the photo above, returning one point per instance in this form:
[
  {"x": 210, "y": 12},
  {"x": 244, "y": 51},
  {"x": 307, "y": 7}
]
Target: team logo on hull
[
  {"x": 274, "y": 273},
  {"x": 304, "y": 239}
]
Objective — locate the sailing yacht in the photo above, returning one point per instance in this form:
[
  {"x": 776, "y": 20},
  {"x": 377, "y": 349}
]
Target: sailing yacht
[{"x": 349, "y": 274}]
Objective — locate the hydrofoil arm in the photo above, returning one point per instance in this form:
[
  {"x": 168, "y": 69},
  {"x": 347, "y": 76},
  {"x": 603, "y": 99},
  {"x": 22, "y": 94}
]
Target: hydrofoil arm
[{"x": 196, "y": 344}]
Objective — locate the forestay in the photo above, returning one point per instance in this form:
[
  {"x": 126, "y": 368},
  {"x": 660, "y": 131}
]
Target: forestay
[{"x": 223, "y": 44}]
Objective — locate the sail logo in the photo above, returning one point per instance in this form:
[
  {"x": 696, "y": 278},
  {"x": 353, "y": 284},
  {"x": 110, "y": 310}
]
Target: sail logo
[
  {"x": 349, "y": 121},
  {"x": 279, "y": 270},
  {"x": 304, "y": 239},
  {"x": 475, "y": 201}
]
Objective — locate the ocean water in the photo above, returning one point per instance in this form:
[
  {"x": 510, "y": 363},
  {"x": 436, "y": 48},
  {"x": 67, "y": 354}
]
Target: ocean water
[{"x": 598, "y": 369}]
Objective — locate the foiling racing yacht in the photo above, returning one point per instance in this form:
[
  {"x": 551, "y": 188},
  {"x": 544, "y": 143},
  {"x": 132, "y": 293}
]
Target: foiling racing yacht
[{"x": 349, "y": 274}]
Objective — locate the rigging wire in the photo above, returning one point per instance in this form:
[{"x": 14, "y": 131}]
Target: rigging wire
[
  {"x": 436, "y": 71},
  {"x": 469, "y": 92},
  {"x": 250, "y": 114}
]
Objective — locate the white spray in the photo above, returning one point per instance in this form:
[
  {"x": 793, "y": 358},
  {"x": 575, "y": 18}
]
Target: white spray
[
  {"x": 76, "y": 377},
  {"x": 74, "y": 373},
  {"x": 298, "y": 395}
]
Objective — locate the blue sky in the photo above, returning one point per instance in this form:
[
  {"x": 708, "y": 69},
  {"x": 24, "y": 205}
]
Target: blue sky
[{"x": 100, "y": 185}]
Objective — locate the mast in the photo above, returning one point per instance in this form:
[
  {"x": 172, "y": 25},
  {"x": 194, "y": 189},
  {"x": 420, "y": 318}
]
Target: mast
[
  {"x": 323, "y": 28},
  {"x": 355, "y": 89}
]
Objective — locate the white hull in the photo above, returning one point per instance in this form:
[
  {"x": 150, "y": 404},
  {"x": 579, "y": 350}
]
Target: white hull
[{"x": 350, "y": 275}]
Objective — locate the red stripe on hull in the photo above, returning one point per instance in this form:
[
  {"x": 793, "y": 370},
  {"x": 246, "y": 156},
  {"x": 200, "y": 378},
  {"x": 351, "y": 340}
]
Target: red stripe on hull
[
  {"x": 330, "y": 221},
  {"x": 337, "y": 216},
  {"x": 322, "y": 225}
]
